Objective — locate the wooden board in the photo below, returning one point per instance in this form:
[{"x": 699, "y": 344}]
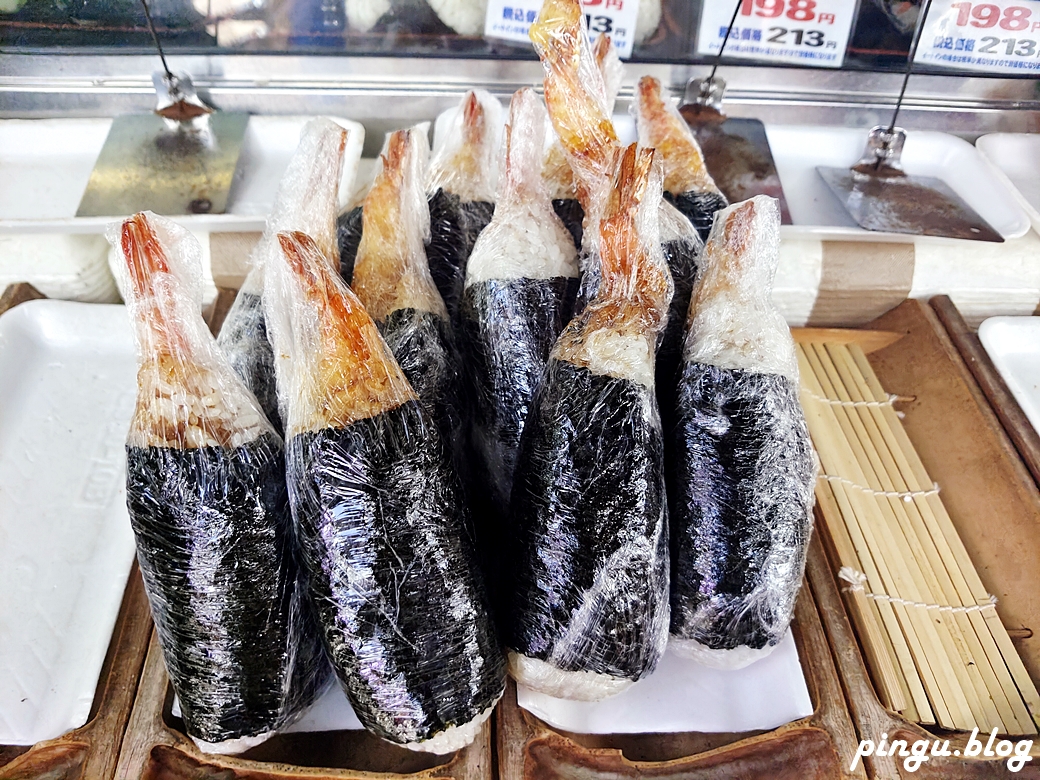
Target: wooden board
[
  {"x": 817, "y": 747},
  {"x": 993, "y": 502},
  {"x": 90, "y": 751}
]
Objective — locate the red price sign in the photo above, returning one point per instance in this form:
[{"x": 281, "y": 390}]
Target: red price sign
[
  {"x": 795, "y": 10},
  {"x": 985, "y": 15},
  {"x": 973, "y": 36}
]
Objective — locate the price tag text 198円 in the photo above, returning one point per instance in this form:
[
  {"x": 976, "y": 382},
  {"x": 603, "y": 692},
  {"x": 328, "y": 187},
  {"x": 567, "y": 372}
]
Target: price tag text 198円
[
  {"x": 993, "y": 37},
  {"x": 805, "y": 32}
]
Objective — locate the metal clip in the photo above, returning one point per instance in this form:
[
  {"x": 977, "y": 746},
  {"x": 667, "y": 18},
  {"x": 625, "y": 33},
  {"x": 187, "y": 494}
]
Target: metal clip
[
  {"x": 177, "y": 99},
  {"x": 706, "y": 93},
  {"x": 883, "y": 152}
]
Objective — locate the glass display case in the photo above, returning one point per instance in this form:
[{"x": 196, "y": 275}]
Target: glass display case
[
  {"x": 665, "y": 30},
  {"x": 69, "y": 69}
]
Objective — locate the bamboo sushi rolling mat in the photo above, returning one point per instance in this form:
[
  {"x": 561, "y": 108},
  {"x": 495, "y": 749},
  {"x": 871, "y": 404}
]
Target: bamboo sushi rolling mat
[{"x": 937, "y": 650}]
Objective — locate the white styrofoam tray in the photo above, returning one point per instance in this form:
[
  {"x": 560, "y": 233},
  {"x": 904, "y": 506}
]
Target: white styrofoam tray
[
  {"x": 1013, "y": 343},
  {"x": 68, "y": 378},
  {"x": 46, "y": 165},
  {"x": 1016, "y": 158},
  {"x": 817, "y": 213},
  {"x": 682, "y": 696}
]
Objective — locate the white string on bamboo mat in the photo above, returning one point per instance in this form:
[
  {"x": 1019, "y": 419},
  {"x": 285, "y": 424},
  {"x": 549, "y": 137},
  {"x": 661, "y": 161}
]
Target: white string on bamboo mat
[
  {"x": 836, "y": 402},
  {"x": 858, "y": 584},
  {"x": 906, "y": 495}
]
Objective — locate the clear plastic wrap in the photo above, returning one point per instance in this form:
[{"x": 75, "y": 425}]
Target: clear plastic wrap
[
  {"x": 307, "y": 200},
  {"x": 393, "y": 281},
  {"x": 742, "y": 489},
  {"x": 520, "y": 286},
  {"x": 379, "y": 514},
  {"x": 590, "y": 557},
  {"x": 687, "y": 182},
  {"x": 556, "y": 170},
  {"x": 350, "y": 223},
  {"x": 682, "y": 248},
  {"x": 349, "y": 226},
  {"x": 460, "y": 186},
  {"x": 207, "y": 500},
  {"x": 580, "y": 108}
]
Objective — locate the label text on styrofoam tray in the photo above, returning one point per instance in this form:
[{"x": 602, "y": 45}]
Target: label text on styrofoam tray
[
  {"x": 512, "y": 19},
  {"x": 995, "y": 37},
  {"x": 804, "y": 32}
]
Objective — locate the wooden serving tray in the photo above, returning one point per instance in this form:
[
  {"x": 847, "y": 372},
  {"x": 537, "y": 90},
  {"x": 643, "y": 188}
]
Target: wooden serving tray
[
  {"x": 813, "y": 748},
  {"x": 1016, "y": 424},
  {"x": 91, "y": 750},
  {"x": 991, "y": 499}
]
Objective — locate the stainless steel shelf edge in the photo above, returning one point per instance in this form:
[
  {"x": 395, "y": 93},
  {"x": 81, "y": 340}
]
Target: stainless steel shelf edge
[{"x": 391, "y": 91}]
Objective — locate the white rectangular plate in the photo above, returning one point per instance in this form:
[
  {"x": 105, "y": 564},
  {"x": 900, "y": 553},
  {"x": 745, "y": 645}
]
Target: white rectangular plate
[
  {"x": 797, "y": 150},
  {"x": 68, "y": 379},
  {"x": 1016, "y": 156},
  {"x": 1013, "y": 343},
  {"x": 682, "y": 695},
  {"x": 47, "y": 163}
]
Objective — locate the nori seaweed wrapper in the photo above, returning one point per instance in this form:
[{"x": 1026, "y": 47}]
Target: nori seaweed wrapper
[
  {"x": 681, "y": 256},
  {"x": 349, "y": 229},
  {"x": 699, "y": 208},
  {"x": 572, "y": 215},
  {"x": 422, "y": 344},
  {"x": 215, "y": 547},
  {"x": 591, "y": 580},
  {"x": 739, "y": 520},
  {"x": 508, "y": 328},
  {"x": 454, "y": 227},
  {"x": 393, "y": 576},
  {"x": 243, "y": 340}
]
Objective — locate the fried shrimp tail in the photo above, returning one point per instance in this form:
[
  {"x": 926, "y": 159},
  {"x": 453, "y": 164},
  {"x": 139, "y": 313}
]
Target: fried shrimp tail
[
  {"x": 687, "y": 182},
  {"x": 577, "y": 99}
]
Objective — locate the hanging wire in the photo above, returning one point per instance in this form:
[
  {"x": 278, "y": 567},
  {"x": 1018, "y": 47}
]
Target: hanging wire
[
  {"x": 155, "y": 37},
  {"x": 910, "y": 63},
  {"x": 718, "y": 57}
]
